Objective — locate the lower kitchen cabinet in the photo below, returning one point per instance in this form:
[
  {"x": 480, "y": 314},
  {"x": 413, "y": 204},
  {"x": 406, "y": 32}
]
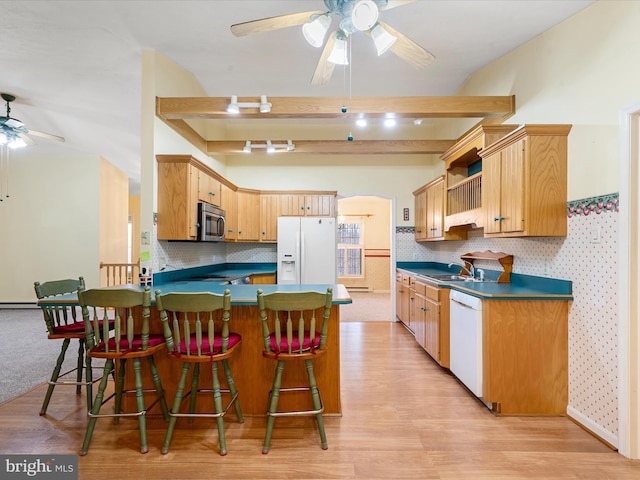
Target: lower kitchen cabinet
[
  {"x": 424, "y": 309},
  {"x": 403, "y": 298},
  {"x": 525, "y": 356}
]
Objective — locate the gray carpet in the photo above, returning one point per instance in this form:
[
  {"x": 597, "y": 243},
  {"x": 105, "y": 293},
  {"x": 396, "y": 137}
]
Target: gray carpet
[{"x": 27, "y": 356}]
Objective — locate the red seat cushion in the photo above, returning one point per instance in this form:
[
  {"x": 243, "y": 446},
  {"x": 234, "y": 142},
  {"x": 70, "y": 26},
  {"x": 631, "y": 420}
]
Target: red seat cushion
[
  {"x": 295, "y": 344},
  {"x": 154, "y": 340},
  {"x": 234, "y": 339},
  {"x": 76, "y": 327}
]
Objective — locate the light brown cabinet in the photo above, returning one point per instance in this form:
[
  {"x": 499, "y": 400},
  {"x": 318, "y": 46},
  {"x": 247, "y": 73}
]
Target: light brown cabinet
[
  {"x": 248, "y": 215},
  {"x": 208, "y": 189},
  {"x": 525, "y": 356},
  {"x": 310, "y": 205},
  {"x": 229, "y": 203},
  {"x": 403, "y": 296},
  {"x": 430, "y": 320},
  {"x": 262, "y": 279},
  {"x": 177, "y": 199},
  {"x": 525, "y": 182},
  {"x": 429, "y": 206},
  {"x": 269, "y": 217}
]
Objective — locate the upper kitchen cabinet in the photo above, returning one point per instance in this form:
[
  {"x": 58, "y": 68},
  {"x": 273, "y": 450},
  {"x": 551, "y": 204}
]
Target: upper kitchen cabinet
[
  {"x": 209, "y": 189},
  {"x": 248, "y": 215},
  {"x": 269, "y": 217},
  {"x": 524, "y": 189},
  {"x": 229, "y": 203},
  {"x": 300, "y": 204},
  {"x": 177, "y": 198},
  {"x": 429, "y": 208},
  {"x": 463, "y": 179}
]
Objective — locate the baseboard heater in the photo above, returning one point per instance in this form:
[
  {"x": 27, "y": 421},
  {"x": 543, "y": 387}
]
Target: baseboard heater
[{"x": 359, "y": 289}]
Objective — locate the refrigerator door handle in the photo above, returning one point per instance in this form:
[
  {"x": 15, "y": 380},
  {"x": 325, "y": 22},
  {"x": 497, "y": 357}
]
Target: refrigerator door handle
[{"x": 301, "y": 256}]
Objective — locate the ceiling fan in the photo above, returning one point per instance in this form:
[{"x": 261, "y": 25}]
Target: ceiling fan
[
  {"x": 355, "y": 15},
  {"x": 13, "y": 132}
]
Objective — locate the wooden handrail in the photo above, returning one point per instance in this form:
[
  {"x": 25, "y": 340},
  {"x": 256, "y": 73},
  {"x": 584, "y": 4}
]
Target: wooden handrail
[{"x": 121, "y": 273}]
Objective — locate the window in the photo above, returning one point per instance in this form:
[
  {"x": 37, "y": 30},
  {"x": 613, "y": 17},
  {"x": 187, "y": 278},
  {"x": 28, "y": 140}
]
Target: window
[{"x": 351, "y": 247}]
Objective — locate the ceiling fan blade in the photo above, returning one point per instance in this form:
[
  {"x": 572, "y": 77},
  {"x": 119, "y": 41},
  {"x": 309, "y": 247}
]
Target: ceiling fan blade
[
  {"x": 45, "y": 135},
  {"x": 324, "y": 69},
  {"x": 408, "y": 50},
  {"x": 26, "y": 139},
  {"x": 272, "y": 23},
  {"x": 395, "y": 3}
]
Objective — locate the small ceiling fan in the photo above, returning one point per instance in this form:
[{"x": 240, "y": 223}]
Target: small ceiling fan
[
  {"x": 13, "y": 132},
  {"x": 355, "y": 15}
]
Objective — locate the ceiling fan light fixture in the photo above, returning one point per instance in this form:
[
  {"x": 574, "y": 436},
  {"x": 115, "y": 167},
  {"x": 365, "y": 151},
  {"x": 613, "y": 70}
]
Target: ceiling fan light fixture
[
  {"x": 364, "y": 15},
  {"x": 16, "y": 142},
  {"x": 315, "y": 30},
  {"x": 382, "y": 39},
  {"x": 338, "y": 54}
]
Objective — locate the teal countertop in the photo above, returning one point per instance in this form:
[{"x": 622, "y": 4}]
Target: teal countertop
[
  {"x": 230, "y": 270},
  {"x": 521, "y": 287},
  {"x": 240, "y": 294}
]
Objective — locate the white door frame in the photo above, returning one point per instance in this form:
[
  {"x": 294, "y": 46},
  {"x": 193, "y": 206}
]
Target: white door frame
[{"x": 629, "y": 284}]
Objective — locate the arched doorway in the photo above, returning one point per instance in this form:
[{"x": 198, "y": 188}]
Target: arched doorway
[{"x": 367, "y": 255}]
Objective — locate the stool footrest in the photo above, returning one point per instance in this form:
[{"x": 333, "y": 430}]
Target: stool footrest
[
  {"x": 127, "y": 414},
  {"x": 206, "y": 414},
  {"x": 297, "y": 412}
]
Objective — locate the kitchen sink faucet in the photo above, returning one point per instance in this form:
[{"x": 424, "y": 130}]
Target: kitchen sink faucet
[{"x": 471, "y": 271}]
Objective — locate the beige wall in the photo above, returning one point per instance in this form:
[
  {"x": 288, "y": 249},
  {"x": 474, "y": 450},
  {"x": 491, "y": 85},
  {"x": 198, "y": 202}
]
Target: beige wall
[
  {"x": 49, "y": 227},
  {"x": 582, "y": 72}
]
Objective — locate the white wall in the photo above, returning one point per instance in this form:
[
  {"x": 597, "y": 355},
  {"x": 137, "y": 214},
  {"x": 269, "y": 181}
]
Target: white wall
[{"x": 49, "y": 227}]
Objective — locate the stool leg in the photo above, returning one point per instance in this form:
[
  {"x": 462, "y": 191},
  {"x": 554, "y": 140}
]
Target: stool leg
[
  {"x": 80, "y": 365},
  {"x": 217, "y": 401},
  {"x": 316, "y": 403},
  {"x": 159, "y": 390},
  {"x": 273, "y": 405},
  {"x": 142, "y": 419},
  {"x": 119, "y": 388},
  {"x": 97, "y": 403},
  {"x": 175, "y": 408},
  {"x": 232, "y": 389},
  {"x": 88, "y": 375},
  {"x": 195, "y": 380},
  {"x": 54, "y": 376}
]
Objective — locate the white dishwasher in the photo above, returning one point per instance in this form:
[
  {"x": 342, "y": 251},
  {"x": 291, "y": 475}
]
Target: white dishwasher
[{"x": 466, "y": 340}]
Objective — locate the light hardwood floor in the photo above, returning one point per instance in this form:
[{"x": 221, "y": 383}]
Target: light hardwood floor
[{"x": 403, "y": 418}]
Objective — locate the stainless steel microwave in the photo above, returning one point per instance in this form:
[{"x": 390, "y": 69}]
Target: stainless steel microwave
[{"x": 211, "y": 223}]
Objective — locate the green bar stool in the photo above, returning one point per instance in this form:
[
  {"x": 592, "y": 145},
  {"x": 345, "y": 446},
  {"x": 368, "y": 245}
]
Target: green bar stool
[
  {"x": 129, "y": 309},
  {"x": 294, "y": 329},
  {"x": 196, "y": 327},
  {"x": 64, "y": 323}
]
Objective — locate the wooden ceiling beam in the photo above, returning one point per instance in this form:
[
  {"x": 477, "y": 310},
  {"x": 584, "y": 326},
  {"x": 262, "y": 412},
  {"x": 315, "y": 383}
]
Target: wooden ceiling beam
[
  {"x": 175, "y": 108},
  {"x": 337, "y": 147}
]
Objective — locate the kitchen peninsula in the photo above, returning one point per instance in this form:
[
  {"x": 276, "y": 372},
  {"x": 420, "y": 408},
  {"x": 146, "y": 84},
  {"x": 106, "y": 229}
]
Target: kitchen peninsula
[{"x": 252, "y": 373}]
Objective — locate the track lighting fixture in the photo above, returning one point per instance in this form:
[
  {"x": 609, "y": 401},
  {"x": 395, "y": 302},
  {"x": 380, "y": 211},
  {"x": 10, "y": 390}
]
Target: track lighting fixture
[
  {"x": 234, "y": 106},
  {"x": 269, "y": 146}
]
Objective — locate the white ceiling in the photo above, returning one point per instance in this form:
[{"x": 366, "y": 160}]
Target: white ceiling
[{"x": 75, "y": 69}]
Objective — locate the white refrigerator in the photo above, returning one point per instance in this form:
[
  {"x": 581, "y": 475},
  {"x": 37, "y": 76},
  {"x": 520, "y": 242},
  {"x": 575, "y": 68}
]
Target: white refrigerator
[{"x": 307, "y": 250}]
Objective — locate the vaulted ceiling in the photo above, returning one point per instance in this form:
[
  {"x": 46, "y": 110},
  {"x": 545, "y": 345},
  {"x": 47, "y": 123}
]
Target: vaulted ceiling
[{"x": 75, "y": 66}]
